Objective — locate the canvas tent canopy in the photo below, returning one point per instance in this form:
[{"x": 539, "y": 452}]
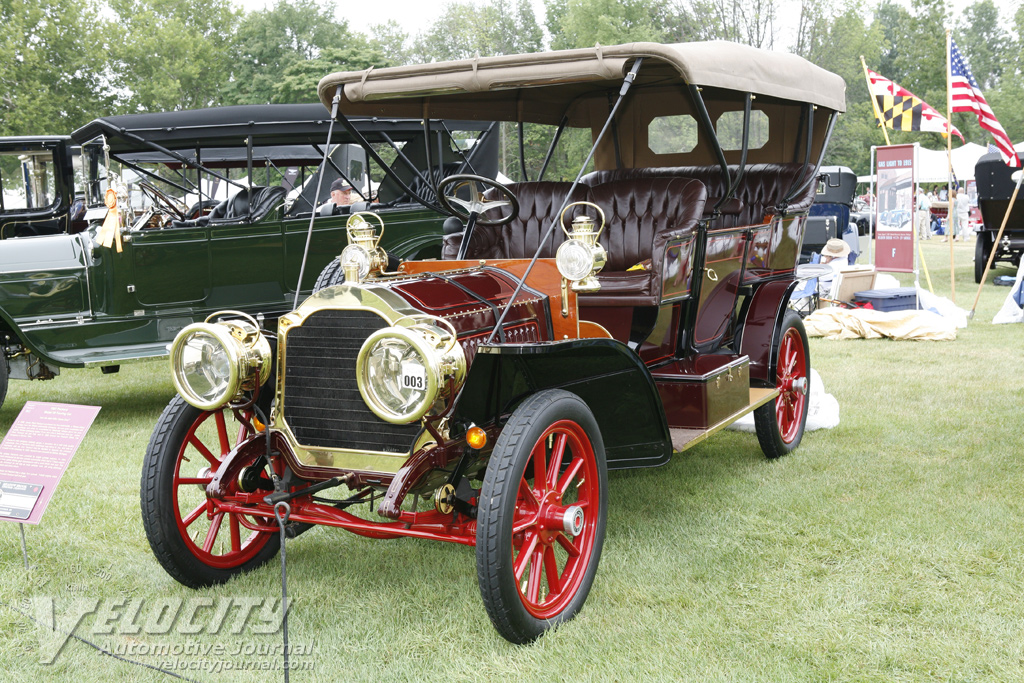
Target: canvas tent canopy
[{"x": 933, "y": 167}]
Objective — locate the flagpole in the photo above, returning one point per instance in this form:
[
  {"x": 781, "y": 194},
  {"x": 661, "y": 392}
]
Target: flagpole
[
  {"x": 949, "y": 158},
  {"x": 874, "y": 101}
]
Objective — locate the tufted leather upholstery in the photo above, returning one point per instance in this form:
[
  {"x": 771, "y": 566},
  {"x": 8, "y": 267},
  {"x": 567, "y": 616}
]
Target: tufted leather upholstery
[
  {"x": 538, "y": 203},
  {"x": 641, "y": 216},
  {"x": 762, "y": 188}
]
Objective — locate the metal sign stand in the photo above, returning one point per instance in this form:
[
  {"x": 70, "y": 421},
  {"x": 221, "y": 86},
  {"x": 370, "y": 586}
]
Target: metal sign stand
[{"x": 24, "y": 549}]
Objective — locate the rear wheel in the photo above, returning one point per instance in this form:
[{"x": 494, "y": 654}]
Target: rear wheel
[
  {"x": 541, "y": 517},
  {"x": 195, "y": 544},
  {"x": 780, "y": 423},
  {"x": 981, "y": 251}
]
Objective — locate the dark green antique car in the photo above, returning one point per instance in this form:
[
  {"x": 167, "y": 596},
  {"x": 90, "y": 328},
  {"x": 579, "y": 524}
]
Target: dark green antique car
[{"x": 215, "y": 209}]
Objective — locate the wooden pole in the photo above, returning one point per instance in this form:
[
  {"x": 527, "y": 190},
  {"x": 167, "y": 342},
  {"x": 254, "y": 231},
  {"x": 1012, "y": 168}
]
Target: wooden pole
[
  {"x": 874, "y": 101},
  {"x": 924, "y": 264},
  {"x": 949, "y": 158},
  {"x": 999, "y": 235}
]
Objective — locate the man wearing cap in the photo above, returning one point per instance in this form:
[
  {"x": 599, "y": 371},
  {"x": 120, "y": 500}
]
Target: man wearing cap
[
  {"x": 341, "y": 192},
  {"x": 836, "y": 255}
]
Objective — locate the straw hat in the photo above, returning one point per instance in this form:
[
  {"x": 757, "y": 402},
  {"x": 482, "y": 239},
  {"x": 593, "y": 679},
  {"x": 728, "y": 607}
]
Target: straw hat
[{"x": 836, "y": 248}]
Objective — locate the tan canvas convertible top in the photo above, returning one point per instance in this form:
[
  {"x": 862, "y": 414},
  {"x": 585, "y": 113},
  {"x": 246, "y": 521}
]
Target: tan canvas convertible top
[{"x": 540, "y": 87}]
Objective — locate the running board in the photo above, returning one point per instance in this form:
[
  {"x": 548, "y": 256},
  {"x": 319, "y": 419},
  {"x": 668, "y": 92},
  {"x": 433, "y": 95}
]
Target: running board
[{"x": 683, "y": 439}]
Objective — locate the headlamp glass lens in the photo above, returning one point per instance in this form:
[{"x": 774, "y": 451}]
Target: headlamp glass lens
[
  {"x": 354, "y": 253},
  {"x": 575, "y": 260},
  {"x": 396, "y": 375},
  {"x": 203, "y": 367}
]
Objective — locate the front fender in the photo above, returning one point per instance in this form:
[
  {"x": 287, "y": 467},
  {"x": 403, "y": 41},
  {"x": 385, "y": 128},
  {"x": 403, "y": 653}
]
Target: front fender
[{"x": 605, "y": 373}]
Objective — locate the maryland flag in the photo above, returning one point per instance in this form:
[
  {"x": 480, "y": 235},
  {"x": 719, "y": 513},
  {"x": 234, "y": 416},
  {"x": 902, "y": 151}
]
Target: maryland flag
[{"x": 900, "y": 109}]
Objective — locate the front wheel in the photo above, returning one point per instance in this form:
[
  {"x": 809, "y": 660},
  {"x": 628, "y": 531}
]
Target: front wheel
[
  {"x": 780, "y": 423},
  {"x": 541, "y": 517},
  {"x": 331, "y": 275},
  {"x": 196, "y": 544}
]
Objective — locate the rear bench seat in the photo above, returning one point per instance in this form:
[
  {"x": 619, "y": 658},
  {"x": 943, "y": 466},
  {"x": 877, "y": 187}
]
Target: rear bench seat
[
  {"x": 642, "y": 215},
  {"x": 762, "y": 188}
]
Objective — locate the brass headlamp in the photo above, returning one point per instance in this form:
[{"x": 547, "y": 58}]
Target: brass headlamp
[
  {"x": 363, "y": 256},
  {"x": 581, "y": 256},
  {"x": 215, "y": 363},
  {"x": 404, "y": 370}
]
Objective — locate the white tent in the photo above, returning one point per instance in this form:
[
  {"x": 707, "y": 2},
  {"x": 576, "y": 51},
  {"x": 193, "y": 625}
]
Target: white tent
[{"x": 932, "y": 166}]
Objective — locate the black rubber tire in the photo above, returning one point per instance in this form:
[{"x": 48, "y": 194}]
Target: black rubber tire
[
  {"x": 496, "y": 514},
  {"x": 5, "y": 378},
  {"x": 159, "y": 516},
  {"x": 981, "y": 250},
  {"x": 769, "y": 431},
  {"x": 331, "y": 275}
]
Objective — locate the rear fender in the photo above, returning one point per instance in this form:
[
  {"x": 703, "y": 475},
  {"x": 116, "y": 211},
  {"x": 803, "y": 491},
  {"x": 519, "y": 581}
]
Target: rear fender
[
  {"x": 605, "y": 373},
  {"x": 762, "y": 316}
]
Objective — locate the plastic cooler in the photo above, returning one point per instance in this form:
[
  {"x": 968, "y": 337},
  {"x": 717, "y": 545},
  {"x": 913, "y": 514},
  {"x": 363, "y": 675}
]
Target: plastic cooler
[{"x": 897, "y": 299}]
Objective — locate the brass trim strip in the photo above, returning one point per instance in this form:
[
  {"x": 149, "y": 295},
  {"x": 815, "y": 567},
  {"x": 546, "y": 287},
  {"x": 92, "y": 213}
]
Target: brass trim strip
[{"x": 758, "y": 397}]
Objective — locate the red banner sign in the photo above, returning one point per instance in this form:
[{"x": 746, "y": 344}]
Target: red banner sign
[{"x": 894, "y": 210}]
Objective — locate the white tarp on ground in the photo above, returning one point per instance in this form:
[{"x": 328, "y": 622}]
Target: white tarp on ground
[
  {"x": 1011, "y": 312},
  {"x": 932, "y": 166},
  {"x": 863, "y": 323},
  {"x": 822, "y": 409}
]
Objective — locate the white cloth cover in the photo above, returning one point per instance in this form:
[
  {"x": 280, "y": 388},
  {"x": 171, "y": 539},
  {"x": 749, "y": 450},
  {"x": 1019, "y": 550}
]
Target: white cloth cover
[
  {"x": 841, "y": 323},
  {"x": 822, "y": 409},
  {"x": 1011, "y": 312}
]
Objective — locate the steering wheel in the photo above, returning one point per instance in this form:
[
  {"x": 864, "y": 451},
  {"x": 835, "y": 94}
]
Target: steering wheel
[
  {"x": 165, "y": 202},
  {"x": 474, "y": 208}
]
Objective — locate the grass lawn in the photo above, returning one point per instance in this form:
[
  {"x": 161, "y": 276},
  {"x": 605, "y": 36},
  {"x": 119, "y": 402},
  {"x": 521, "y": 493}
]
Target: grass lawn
[{"x": 886, "y": 549}]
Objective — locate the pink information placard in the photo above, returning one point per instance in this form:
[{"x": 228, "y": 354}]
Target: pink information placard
[{"x": 35, "y": 453}]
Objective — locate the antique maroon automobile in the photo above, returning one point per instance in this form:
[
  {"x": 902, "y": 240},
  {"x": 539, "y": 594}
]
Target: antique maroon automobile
[{"x": 572, "y": 326}]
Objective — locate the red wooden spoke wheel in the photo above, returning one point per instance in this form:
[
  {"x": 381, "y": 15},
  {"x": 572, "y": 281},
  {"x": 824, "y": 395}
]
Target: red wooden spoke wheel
[
  {"x": 541, "y": 518},
  {"x": 780, "y": 424},
  {"x": 196, "y": 544}
]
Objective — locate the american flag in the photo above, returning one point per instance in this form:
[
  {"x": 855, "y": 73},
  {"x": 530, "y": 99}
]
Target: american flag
[{"x": 967, "y": 97}]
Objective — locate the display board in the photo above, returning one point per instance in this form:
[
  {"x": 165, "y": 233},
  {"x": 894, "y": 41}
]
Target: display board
[
  {"x": 894, "y": 210},
  {"x": 35, "y": 453}
]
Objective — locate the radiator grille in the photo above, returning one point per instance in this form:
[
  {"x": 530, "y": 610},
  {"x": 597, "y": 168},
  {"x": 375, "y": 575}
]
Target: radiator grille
[{"x": 322, "y": 403}]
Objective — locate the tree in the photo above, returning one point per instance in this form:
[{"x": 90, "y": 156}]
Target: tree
[
  {"x": 464, "y": 31},
  {"x": 170, "y": 54},
  {"x": 583, "y": 23},
  {"x": 982, "y": 40},
  {"x": 52, "y": 62},
  {"x": 751, "y": 22},
  {"x": 298, "y": 82},
  {"x": 272, "y": 44},
  {"x": 894, "y": 22},
  {"x": 394, "y": 43}
]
